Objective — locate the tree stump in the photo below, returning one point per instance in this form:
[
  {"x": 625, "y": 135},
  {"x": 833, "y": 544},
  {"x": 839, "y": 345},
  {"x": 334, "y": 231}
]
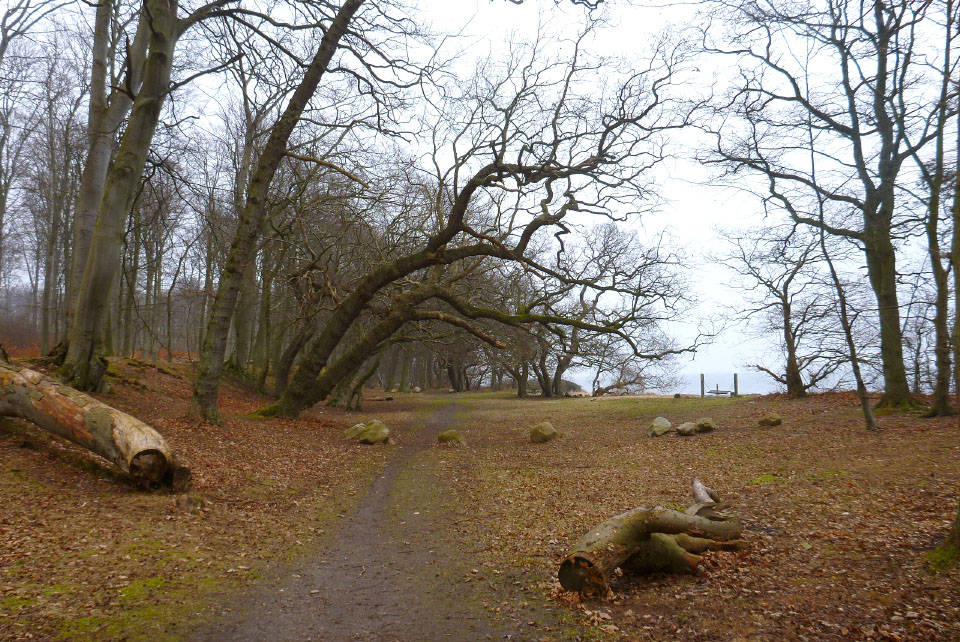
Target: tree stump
[{"x": 646, "y": 540}]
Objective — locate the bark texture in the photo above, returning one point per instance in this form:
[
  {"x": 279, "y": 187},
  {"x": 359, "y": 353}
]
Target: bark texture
[
  {"x": 83, "y": 365},
  {"x": 125, "y": 441}
]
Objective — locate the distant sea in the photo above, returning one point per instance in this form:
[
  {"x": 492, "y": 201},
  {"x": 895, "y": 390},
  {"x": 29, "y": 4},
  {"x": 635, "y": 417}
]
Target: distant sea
[
  {"x": 688, "y": 383},
  {"x": 750, "y": 382}
]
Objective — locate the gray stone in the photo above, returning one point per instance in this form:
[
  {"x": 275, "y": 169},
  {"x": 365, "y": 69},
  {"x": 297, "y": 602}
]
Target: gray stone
[
  {"x": 543, "y": 432},
  {"x": 687, "y": 429},
  {"x": 375, "y": 432},
  {"x": 706, "y": 424},
  {"x": 660, "y": 426}
]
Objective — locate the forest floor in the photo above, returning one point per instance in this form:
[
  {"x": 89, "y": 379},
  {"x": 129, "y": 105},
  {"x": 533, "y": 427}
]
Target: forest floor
[{"x": 293, "y": 532}]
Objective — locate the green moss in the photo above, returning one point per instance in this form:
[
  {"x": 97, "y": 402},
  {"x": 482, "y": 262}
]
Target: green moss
[
  {"x": 139, "y": 589},
  {"x": 766, "y": 478},
  {"x": 943, "y": 558},
  {"x": 266, "y": 412},
  {"x": 15, "y": 603},
  {"x": 81, "y": 626},
  {"x": 56, "y": 589}
]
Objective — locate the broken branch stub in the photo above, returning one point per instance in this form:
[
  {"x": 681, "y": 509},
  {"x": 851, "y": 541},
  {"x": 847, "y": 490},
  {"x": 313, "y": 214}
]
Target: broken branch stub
[{"x": 133, "y": 446}]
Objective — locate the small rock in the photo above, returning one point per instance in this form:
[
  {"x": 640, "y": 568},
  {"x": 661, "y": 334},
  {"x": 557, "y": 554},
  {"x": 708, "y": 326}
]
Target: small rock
[
  {"x": 676, "y": 395},
  {"x": 687, "y": 429},
  {"x": 660, "y": 426},
  {"x": 451, "y": 437},
  {"x": 375, "y": 432},
  {"x": 354, "y": 431},
  {"x": 415, "y": 389},
  {"x": 770, "y": 419},
  {"x": 543, "y": 432},
  {"x": 389, "y": 399},
  {"x": 706, "y": 424}
]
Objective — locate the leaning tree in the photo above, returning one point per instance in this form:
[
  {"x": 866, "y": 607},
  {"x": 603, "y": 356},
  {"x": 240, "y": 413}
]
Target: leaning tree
[{"x": 519, "y": 152}]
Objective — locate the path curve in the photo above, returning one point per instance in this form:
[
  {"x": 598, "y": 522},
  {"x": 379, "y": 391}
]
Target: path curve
[{"x": 394, "y": 572}]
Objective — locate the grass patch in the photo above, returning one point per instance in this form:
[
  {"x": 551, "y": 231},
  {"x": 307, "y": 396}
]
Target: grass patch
[
  {"x": 943, "y": 558},
  {"x": 765, "y": 478},
  {"x": 139, "y": 589},
  {"x": 15, "y": 603}
]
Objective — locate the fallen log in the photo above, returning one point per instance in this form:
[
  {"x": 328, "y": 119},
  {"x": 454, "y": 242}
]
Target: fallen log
[
  {"x": 647, "y": 540},
  {"x": 133, "y": 446}
]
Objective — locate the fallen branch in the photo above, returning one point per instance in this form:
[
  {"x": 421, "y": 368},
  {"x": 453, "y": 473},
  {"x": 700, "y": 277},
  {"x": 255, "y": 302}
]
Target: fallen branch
[
  {"x": 133, "y": 446},
  {"x": 646, "y": 540}
]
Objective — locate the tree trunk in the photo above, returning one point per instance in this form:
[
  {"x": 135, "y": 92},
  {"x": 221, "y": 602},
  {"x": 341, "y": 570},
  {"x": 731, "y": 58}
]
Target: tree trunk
[
  {"x": 285, "y": 364},
  {"x": 792, "y": 375},
  {"x": 130, "y": 276},
  {"x": 882, "y": 270},
  {"x": 104, "y": 118},
  {"x": 390, "y": 377},
  {"x": 243, "y": 247},
  {"x": 354, "y": 399},
  {"x": 83, "y": 364},
  {"x": 244, "y": 319},
  {"x": 649, "y": 540},
  {"x": 953, "y": 537},
  {"x": 135, "y": 447},
  {"x": 404, "y": 371}
]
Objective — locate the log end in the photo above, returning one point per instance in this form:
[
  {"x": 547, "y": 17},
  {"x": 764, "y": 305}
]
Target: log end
[
  {"x": 178, "y": 477},
  {"x": 148, "y": 465},
  {"x": 579, "y": 573}
]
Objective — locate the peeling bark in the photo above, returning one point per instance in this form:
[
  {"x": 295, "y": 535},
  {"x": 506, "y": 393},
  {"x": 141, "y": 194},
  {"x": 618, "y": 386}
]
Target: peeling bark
[{"x": 133, "y": 446}]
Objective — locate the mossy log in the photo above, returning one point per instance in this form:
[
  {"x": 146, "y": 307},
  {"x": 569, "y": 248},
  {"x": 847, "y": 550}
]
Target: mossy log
[
  {"x": 647, "y": 540},
  {"x": 133, "y": 446}
]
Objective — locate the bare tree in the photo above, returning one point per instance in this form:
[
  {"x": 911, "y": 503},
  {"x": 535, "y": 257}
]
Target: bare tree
[
  {"x": 842, "y": 81},
  {"x": 779, "y": 271}
]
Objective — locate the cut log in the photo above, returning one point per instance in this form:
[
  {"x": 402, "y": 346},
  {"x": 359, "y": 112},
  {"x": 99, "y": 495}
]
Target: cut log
[
  {"x": 133, "y": 446},
  {"x": 648, "y": 540}
]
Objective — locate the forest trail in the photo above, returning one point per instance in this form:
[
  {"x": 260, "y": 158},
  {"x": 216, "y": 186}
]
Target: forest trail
[{"x": 394, "y": 571}]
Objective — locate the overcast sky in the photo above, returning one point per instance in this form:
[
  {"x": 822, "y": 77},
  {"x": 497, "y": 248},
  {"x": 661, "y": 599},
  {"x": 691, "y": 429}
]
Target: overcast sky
[{"x": 692, "y": 208}]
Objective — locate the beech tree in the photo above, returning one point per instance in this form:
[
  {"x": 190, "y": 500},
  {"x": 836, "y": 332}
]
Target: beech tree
[
  {"x": 527, "y": 149},
  {"x": 843, "y": 83},
  {"x": 84, "y": 365}
]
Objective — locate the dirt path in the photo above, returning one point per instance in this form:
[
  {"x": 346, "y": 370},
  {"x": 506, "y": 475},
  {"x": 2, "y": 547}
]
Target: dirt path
[{"x": 394, "y": 572}]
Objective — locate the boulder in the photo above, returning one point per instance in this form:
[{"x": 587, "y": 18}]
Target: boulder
[
  {"x": 687, "y": 429},
  {"x": 451, "y": 437},
  {"x": 415, "y": 389},
  {"x": 706, "y": 424},
  {"x": 660, "y": 426},
  {"x": 770, "y": 419},
  {"x": 375, "y": 432},
  {"x": 543, "y": 432},
  {"x": 354, "y": 431}
]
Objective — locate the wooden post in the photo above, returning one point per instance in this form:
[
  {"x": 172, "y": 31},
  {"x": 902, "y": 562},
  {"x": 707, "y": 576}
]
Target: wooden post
[
  {"x": 736, "y": 386},
  {"x": 702, "y": 388}
]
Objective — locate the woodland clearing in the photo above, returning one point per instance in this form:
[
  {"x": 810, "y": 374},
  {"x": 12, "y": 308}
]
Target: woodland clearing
[{"x": 839, "y": 521}]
